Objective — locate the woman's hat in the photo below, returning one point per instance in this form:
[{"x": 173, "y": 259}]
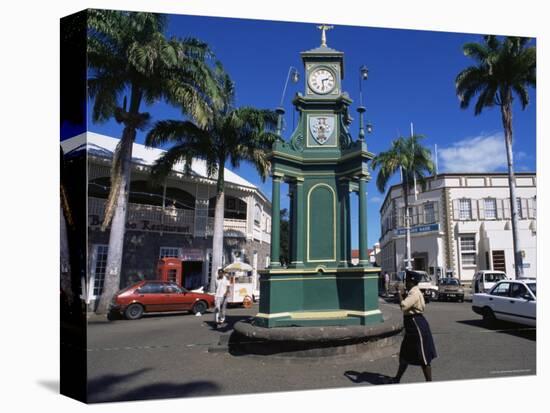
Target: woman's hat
[{"x": 414, "y": 276}]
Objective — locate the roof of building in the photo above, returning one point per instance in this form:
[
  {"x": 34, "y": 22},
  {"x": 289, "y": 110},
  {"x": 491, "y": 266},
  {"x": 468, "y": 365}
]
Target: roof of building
[
  {"x": 445, "y": 174},
  {"x": 104, "y": 146}
]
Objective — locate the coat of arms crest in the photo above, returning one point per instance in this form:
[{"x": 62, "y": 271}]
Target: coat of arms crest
[{"x": 321, "y": 128}]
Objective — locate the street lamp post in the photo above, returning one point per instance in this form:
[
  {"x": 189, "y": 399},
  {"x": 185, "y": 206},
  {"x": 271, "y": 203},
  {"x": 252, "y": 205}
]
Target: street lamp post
[
  {"x": 363, "y": 75},
  {"x": 292, "y": 72}
]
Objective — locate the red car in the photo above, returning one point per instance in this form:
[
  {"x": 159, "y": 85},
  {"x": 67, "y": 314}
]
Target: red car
[{"x": 158, "y": 296}]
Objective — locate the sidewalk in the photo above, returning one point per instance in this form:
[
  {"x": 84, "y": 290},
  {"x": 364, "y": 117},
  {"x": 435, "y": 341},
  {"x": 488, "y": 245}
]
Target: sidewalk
[{"x": 94, "y": 318}]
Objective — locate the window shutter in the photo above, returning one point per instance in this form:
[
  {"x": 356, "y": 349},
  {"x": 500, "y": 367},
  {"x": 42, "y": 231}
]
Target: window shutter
[
  {"x": 499, "y": 211},
  {"x": 506, "y": 208},
  {"x": 456, "y": 210},
  {"x": 530, "y": 208},
  {"x": 481, "y": 208},
  {"x": 524, "y": 208},
  {"x": 473, "y": 206}
]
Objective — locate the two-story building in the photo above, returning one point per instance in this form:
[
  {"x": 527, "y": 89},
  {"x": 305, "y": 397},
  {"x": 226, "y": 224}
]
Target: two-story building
[
  {"x": 171, "y": 219},
  {"x": 460, "y": 223}
]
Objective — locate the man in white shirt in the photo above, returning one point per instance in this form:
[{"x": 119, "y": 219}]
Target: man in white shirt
[{"x": 220, "y": 299}]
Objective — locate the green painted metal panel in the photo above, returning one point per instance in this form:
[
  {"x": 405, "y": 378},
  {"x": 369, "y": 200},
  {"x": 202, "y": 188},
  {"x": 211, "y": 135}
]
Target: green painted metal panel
[{"x": 321, "y": 223}]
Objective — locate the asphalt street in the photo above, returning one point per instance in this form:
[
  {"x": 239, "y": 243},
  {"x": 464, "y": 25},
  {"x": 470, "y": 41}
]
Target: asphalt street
[{"x": 164, "y": 356}]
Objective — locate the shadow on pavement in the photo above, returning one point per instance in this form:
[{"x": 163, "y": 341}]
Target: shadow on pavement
[
  {"x": 503, "y": 327},
  {"x": 99, "y": 389},
  {"x": 368, "y": 377},
  {"x": 230, "y": 321}
]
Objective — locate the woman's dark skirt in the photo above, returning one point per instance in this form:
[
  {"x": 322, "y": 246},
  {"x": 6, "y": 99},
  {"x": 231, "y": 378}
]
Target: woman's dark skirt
[{"x": 418, "y": 346}]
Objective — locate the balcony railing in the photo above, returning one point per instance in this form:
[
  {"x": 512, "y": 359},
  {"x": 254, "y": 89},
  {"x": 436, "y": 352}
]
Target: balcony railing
[
  {"x": 154, "y": 218},
  {"x": 231, "y": 227}
]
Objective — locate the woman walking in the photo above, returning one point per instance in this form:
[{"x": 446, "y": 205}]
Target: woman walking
[{"x": 418, "y": 346}]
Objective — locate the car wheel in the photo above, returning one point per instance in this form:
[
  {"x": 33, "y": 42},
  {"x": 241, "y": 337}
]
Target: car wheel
[
  {"x": 435, "y": 295},
  {"x": 489, "y": 316},
  {"x": 199, "y": 307},
  {"x": 461, "y": 300},
  {"x": 134, "y": 311}
]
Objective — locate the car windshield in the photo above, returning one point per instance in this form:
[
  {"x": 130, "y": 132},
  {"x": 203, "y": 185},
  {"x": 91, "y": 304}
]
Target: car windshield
[
  {"x": 533, "y": 288},
  {"x": 425, "y": 278},
  {"x": 449, "y": 281},
  {"x": 492, "y": 277},
  {"x": 126, "y": 289}
]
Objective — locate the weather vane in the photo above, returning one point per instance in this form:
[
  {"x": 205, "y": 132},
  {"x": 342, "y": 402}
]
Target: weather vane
[{"x": 324, "y": 28}]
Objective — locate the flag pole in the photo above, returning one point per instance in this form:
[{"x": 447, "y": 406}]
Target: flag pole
[
  {"x": 414, "y": 174},
  {"x": 436, "y": 166}
]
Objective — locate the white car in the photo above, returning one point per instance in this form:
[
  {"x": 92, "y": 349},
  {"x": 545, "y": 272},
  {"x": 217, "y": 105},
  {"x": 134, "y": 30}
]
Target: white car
[
  {"x": 484, "y": 280},
  {"x": 427, "y": 286},
  {"x": 509, "y": 300}
]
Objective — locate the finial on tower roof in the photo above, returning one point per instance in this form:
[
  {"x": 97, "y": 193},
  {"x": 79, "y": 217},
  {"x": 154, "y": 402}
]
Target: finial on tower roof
[{"x": 324, "y": 28}]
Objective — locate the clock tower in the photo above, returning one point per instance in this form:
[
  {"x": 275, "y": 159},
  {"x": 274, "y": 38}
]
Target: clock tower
[{"x": 324, "y": 167}]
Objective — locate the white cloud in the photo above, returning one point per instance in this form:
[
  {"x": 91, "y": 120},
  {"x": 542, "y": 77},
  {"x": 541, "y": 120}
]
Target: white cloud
[
  {"x": 375, "y": 199},
  {"x": 484, "y": 153}
]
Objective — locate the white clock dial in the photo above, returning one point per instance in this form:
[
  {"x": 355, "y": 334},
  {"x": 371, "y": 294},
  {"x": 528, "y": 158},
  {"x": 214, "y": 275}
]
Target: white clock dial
[{"x": 321, "y": 81}]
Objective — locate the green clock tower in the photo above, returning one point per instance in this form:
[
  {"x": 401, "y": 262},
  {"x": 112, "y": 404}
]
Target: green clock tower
[{"x": 324, "y": 168}]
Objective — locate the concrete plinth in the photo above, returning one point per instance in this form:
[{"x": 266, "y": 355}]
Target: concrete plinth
[{"x": 379, "y": 340}]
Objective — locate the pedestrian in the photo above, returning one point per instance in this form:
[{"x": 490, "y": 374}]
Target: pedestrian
[
  {"x": 418, "y": 346},
  {"x": 386, "y": 283},
  {"x": 220, "y": 299}
]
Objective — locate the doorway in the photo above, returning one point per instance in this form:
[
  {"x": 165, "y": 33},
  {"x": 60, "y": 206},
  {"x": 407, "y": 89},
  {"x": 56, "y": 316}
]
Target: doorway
[
  {"x": 499, "y": 261},
  {"x": 420, "y": 261},
  {"x": 192, "y": 274}
]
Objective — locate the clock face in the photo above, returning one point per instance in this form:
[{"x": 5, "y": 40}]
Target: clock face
[{"x": 321, "y": 81}]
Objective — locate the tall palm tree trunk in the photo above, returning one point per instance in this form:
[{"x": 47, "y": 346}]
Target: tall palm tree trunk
[
  {"x": 506, "y": 110},
  {"x": 217, "y": 238},
  {"x": 408, "y": 259},
  {"x": 118, "y": 225}
]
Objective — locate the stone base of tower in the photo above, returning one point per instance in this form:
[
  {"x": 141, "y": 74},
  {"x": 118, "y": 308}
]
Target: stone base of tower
[{"x": 319, "y": 297}]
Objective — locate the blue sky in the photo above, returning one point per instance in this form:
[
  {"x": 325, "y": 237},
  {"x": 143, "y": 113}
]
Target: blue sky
[{"x": 411, "y": 79}]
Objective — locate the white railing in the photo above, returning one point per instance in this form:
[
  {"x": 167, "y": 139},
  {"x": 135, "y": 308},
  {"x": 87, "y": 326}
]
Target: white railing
[
  {"x": 147, "y": 217},
  {"x": 154, "y": 218},
  {"x": 231, "y": 227}
]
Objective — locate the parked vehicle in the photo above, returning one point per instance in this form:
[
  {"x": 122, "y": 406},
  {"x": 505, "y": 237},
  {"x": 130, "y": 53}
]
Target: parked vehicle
[
  {"x": 484, "y": 280},
  {"x": 450, "y": 289},
  {"x": 427, "y": 286},
  {"x": 508, "y": 300},
  {"x": 158, "y": 296}
]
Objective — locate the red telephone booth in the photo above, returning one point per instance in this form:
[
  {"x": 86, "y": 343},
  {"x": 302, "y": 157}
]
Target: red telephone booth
[{"x": 169, "y": 269}]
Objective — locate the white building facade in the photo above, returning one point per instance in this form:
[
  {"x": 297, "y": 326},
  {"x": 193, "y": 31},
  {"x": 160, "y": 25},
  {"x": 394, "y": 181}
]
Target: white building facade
[
  {"x": 461, "y": 224},
  {"x": 170, "y": 219}
]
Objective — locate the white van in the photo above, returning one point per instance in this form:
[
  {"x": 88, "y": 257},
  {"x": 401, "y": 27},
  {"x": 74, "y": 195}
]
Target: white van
[{"x": 484, "y": 280}]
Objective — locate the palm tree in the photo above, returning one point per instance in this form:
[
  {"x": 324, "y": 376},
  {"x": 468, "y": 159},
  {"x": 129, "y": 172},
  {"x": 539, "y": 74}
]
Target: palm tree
[
  {"x": 129, "y": 55},
  {"x": 414, "y": 161},
  {"x": 504, "y": 69},
  {"x": 234, "y": 135}
]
